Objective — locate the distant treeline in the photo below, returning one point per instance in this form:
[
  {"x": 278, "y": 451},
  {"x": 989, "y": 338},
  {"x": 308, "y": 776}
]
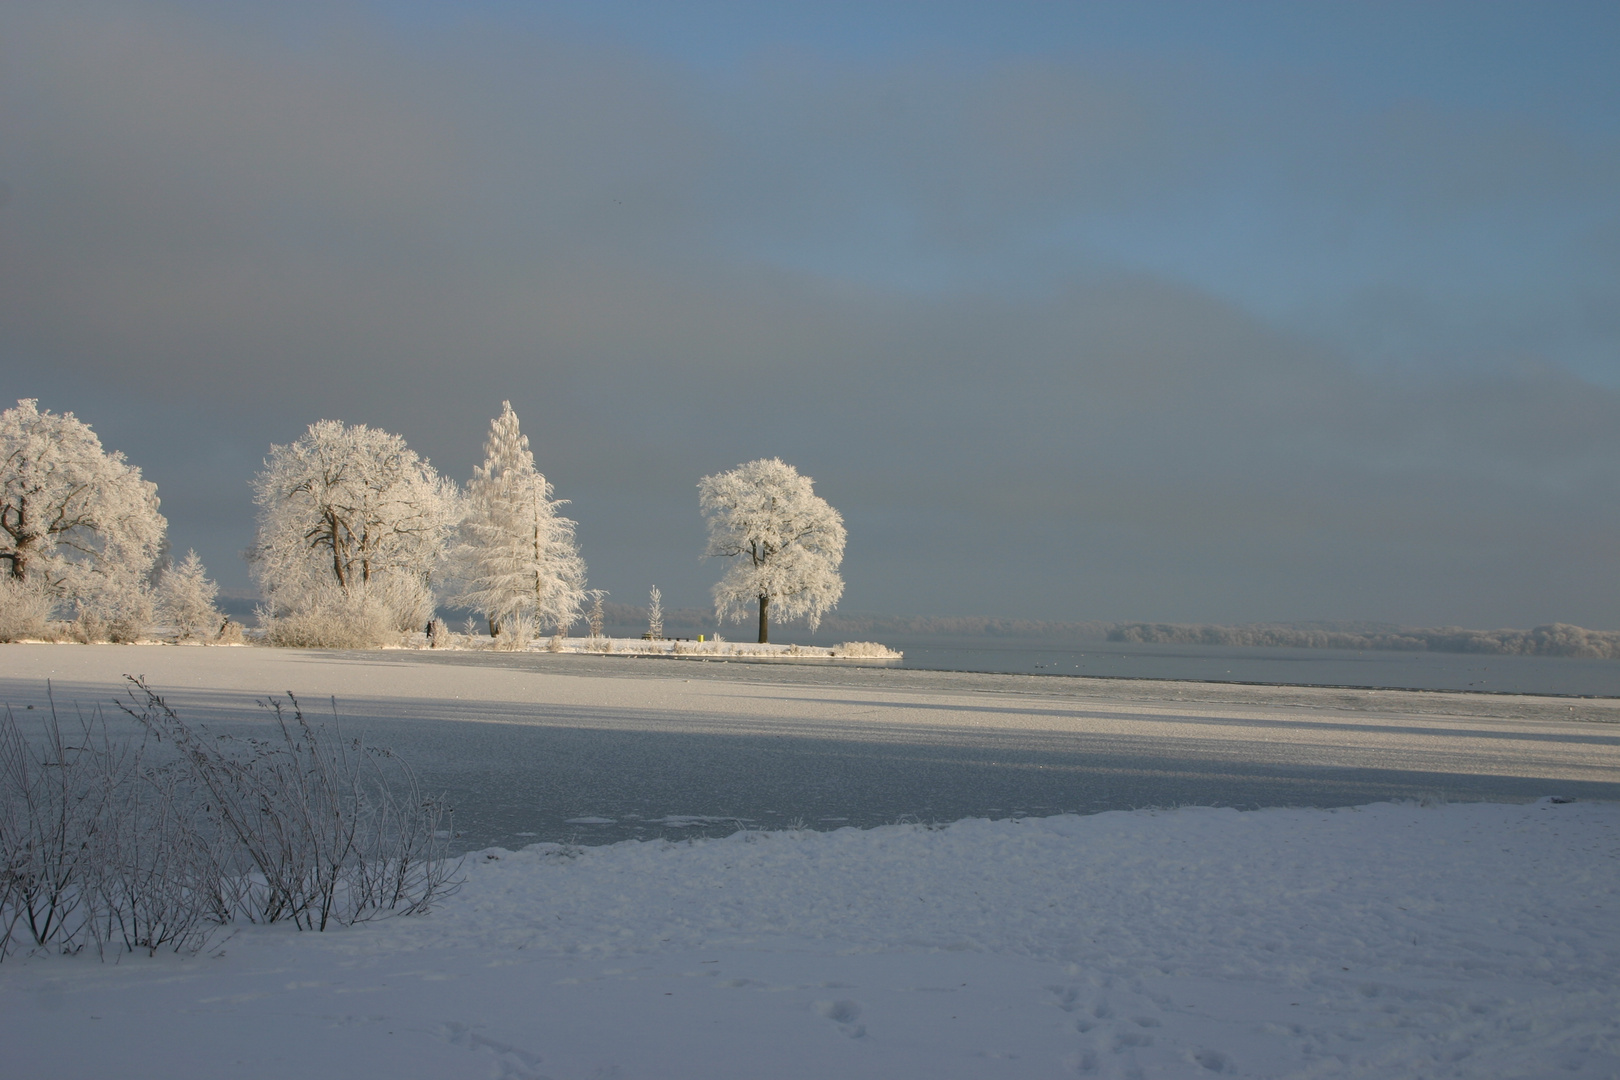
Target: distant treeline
[
  {"x": 963, "y": 626},
  {"x": 1555, "y": 639},
  {"x": 865, "y": 627}
]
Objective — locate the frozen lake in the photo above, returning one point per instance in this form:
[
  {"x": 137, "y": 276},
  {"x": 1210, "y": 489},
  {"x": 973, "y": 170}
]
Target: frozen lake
[
  {"x": 1296, "y": 667},
  {"x": 597, "y": 749}
]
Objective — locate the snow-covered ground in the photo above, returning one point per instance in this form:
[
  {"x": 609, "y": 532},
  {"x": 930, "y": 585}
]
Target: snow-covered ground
[
  {"x": 1471, "y": 940},
  {"x": 1385, "y": 941}
]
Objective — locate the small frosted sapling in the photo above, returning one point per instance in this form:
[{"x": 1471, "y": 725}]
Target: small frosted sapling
[
  {"x": 596, "y": 616},
  {"x": 655, "y": 615}
]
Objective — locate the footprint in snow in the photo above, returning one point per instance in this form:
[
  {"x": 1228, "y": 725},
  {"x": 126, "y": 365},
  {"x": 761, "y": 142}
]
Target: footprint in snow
[
  {"x": 1068, "y": 997},
  {"x": 511, "y": 1062},
  {"x": 846, "y": 1014}
]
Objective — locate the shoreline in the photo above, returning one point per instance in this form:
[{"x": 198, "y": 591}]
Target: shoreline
[
  {"x": 535, "y": 740},
  {"x": 886, "y": 674}
]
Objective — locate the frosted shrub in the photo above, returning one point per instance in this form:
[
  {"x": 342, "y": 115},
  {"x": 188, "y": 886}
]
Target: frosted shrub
[
  {"x": 515, "y": 634},
  {"x": 866, "y": 649},
  {"x": 129, "y": 615},
  {"x": 87, "y": 627},
  {"x": 334, "y": 618},
  {"x": 555, "y": 644},
  {"x": 25, "y": 610}
]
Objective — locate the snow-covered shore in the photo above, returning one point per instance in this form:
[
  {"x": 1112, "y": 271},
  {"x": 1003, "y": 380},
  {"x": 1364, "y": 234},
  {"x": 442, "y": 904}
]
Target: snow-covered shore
[
  {"x": 682, "y": 649},
  {"x": 1390, "y": 940},
  {"x": 1384, "y": 941}
]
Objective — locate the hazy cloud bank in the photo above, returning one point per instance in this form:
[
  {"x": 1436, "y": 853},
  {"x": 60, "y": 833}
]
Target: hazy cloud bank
[{"x": 1061, "y": 342}]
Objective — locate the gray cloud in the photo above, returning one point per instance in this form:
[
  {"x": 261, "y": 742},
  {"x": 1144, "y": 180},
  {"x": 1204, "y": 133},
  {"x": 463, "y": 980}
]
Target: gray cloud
[{"x": 215, "y": 237}]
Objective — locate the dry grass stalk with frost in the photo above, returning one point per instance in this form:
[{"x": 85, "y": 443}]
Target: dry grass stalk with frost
[
  {"x": 333, "y": 829},
  {"x": 155, "y": 842}
]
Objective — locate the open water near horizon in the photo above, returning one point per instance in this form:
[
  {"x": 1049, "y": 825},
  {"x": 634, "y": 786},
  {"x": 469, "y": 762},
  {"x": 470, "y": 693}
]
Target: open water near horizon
[{"x": 1360, "y": 668}]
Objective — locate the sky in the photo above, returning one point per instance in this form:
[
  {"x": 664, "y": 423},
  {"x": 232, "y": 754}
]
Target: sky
[{"x": 1149, "y": 311}]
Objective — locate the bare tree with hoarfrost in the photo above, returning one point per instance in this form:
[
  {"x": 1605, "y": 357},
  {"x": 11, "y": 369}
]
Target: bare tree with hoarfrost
[
  {"x": 78, "y": 525},
  {"x": 185, "y": 598},
  {"x": 787, "y": 543},
  {"x": 518, "y": 559},
  {"x": 353, "y": 528}
]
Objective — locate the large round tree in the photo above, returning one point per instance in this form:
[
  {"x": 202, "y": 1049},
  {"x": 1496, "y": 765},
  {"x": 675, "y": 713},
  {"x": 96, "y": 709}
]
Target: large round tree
[
  {"x": 353, "y": 526},
  {"x": 785, "y": 540},
  {"x": 78, "y": 525}
]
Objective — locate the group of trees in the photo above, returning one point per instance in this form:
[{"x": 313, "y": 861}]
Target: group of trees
[
  {"x": 358, "y": 535},
  {"x": 359, "y": 538},
  {"x": 80, "y": 530}
]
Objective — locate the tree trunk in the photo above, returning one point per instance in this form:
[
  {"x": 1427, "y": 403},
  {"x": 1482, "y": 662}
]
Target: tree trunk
[
  {"x": 21, "y": 542},
  {"x": 494, "y": 627},
  {"x": 764, "y": 620}
]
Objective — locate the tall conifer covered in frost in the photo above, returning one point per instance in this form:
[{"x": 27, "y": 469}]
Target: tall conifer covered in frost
[
  {"x": 186, "y": 599},
  {"x": 518, "y": 558},
  {"x": 787, "y": 543},
  {"x": 78, "y": 525},
  {"x": 353, "y": 527}
]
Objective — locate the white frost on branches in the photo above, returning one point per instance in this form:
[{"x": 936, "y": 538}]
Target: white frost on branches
[
  {"x": 790, "y": 543},
  {"x": 655, "y": 615},
  {"x": 78, "y": 525},
  {"x": 186, "y": 599},
  {"x": 519, "y": 562},
  {"x": 353, "y": 527}
]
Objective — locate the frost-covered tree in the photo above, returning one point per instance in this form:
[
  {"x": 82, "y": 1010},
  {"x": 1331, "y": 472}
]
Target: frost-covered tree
[
  {"x": 596, "y": 616},
  {"x": 78, "y": 525},
  {"x": 353, "y": 526},
  {"x": 785, "y": 539},
  {"x": 655, "y": 615},
  {"x": 185, "y": 598},
  {"x": 518, "y": 559}
]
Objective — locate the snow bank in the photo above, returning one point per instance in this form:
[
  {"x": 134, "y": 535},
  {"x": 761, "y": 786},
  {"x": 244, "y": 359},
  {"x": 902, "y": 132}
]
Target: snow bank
[
  {"x": 680, "y": 648},
  {"x": 1391, "y": 940}
]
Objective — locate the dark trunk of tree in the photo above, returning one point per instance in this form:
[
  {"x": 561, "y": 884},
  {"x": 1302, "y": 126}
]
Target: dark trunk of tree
[
  {"x": 22, "y": 540},
  {"x": 764, "y": 619},
  {"x": 494, "y": 627}
]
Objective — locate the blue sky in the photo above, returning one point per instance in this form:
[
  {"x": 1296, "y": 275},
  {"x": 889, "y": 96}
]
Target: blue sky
[
  {"x": 1213, "y": 312},
  {"x": 1462, "y": 155}
]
